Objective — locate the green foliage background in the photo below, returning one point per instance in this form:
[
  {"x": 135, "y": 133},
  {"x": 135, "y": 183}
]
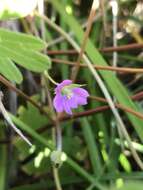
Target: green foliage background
[{"x": 95, "y": 155}]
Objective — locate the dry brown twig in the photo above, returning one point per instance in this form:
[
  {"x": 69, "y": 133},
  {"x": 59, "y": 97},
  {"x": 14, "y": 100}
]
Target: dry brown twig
[
  {"x": 84, "y": 42},
  {"x": 103, "y": 50},
  {"x": 108, "y": 68}
]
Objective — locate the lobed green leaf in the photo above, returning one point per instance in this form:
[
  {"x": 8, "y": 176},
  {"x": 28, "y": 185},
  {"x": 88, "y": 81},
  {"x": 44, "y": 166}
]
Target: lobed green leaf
[
  {"x": 27, "y": 41},
  {"x": 9, "y": 70}
]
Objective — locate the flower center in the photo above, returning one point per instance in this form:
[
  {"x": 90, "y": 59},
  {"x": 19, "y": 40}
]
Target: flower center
[{"x": 67, "y": 91}]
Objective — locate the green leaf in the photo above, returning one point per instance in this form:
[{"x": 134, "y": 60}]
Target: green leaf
[
  {"x": 17, "y": 38},
  {"x": 91, "y": 145},
  {"x": 26, "y": 113},
  {"x": 131, "y": 186},
  {"x": 22, "y": 49},
  {"x": 9, "y": 70},
  {"x": 29, "y": 59}
]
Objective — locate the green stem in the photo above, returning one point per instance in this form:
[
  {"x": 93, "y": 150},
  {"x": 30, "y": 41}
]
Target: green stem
[
  {"x": 56, "y": 178},
  {"x": 50, "y": 78}
]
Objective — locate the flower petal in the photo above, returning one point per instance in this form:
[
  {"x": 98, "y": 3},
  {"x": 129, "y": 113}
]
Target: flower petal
[
  {"x": 81, "y": 100},
  {"x": 66, "y": 105},
  {"x": 81, "y": 95},
  {"x": 73, "y": 102},
  {"x": 80, "y": 92},
  {"x": 61, "y": 85},
  {"x": 58, "y": 103},
  {"x": 70, "y": 97}
]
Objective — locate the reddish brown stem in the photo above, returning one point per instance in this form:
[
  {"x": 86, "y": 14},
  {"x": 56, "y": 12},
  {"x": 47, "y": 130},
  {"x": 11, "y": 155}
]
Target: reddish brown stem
[
  {"x": 105, "y": 50},
  {"x": 76, "y": 68},
  {"x": 100, "y": 109},
  {"x": 12, "y": 87},
  {"x": 108, "y": 68}
]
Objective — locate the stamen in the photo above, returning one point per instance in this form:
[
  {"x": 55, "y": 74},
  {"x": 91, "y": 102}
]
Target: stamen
[
  {"x": 69, "y": 95},
  {"x": 67, "y": 91}
]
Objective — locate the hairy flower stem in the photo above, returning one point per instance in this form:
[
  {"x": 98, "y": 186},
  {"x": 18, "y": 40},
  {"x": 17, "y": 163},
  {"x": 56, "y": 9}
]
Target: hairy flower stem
[
  {"x": 54, "y": 117},
  {"x": 58, "y": 130},
  {"x": 57, "y": 180},
  {"x": 59, "y": 138},
  {"x": 46, "y": 74}
]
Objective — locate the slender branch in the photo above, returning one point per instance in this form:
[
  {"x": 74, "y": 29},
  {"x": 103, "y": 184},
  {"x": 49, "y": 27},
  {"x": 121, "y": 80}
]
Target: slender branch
[
  {"x": 46, "y": 74},
  {"x": 83, "y": 45},
  {"x": 137, "y": 96},
  {"x": 104, "y": 50},
  {"x": 85, "y": 113},
  {"x": 124, "y": 108},
  {"x": 100, "y": 109},
  {"x": 104, "y": 19},
  {"x": 122, "y": 48},
  {"x": 12, "y": 87},
  {"x": 108, "y": 68},
  {"x": 61, "y": 38}
]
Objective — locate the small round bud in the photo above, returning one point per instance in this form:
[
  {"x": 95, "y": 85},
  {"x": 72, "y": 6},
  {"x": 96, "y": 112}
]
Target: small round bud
[{"x": 56, "y": 156}]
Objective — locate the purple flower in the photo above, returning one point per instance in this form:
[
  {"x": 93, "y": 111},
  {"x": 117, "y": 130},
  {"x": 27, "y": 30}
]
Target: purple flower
[{"x": 68, "y": 96}]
